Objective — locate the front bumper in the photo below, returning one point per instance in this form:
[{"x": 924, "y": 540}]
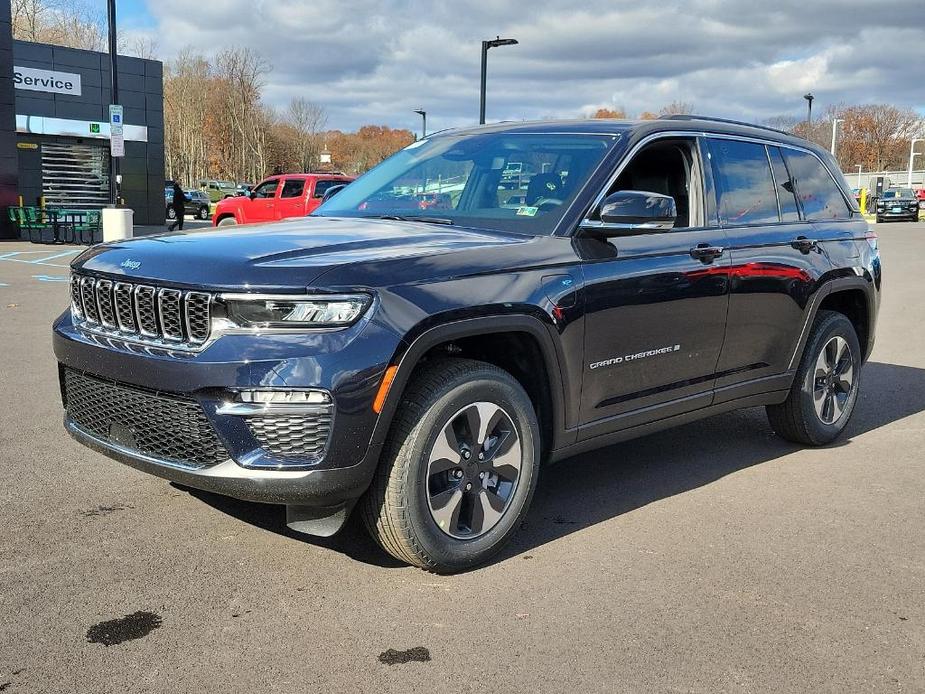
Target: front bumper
[
  {"x": 348, "y": 364},
  {"x": 315, "y": 488}
]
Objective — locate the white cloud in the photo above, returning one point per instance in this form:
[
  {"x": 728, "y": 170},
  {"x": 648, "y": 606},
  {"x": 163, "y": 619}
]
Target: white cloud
[{"x": 374, "y": 61}]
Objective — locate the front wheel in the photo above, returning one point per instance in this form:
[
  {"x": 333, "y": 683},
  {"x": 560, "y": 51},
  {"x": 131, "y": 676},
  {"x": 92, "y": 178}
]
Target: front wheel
[
  {"x": 171, "y": 213},
  {"x": 226, "y": 222},
  {"x": 459, "y": 468},
  {"x": 203, "y": 213},
  {"x": 825, "y": 388}
]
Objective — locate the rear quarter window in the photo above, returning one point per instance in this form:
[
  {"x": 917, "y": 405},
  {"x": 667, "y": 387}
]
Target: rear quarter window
[{"x": 817, "y": 191}]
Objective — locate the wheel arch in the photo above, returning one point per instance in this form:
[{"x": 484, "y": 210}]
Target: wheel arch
[
  {"x": 462, "y": 338},
  {"x": 851, "y": 296}
]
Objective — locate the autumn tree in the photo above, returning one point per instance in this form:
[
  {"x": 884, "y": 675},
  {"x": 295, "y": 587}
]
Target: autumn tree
[{"x": 617, "y": 113}]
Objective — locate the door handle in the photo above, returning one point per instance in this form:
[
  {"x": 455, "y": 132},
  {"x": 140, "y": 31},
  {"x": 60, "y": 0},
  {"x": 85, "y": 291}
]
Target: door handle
[
  {"x": 706, "y": 253},
  {"x": 803, "y": 244}
]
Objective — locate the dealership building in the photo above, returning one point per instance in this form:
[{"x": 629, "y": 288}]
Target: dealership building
[{"x": 54, "y": 128}]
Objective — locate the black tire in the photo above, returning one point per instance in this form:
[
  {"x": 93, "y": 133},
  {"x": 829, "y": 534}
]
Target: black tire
[
  {"x": 203, "y": 213},
  {"x": 171, "y": 213},
  {"x": 226, "y": 222},
  {"x": 397, "y": 508},
  {"x": 797, "y": 418}
]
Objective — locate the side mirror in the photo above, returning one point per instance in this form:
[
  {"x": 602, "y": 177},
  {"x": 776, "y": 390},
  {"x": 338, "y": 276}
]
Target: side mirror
[
  {"x": 628, "y": 212},
  {"x": 331, "y": 192}
]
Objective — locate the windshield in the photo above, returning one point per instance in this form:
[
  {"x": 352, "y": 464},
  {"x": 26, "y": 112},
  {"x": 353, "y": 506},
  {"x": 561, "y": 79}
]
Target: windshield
[
  {"x": 516, "y": 182},
  {"x": 898, "y": 193}
]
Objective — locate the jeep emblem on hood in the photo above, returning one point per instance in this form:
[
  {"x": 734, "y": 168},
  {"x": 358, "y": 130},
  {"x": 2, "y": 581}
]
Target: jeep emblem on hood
[{"x": 130, "y": 264}]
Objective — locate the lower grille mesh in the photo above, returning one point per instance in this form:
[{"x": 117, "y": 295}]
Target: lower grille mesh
[
  {"x": 302, "y": 436},
  {"x": 162, "y": 426}
]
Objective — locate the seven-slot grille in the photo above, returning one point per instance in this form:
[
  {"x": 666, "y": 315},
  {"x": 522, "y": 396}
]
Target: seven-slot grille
[{"x": 142, "y": 311}]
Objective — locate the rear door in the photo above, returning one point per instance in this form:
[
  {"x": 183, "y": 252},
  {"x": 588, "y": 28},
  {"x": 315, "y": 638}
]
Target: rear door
[
  {"x": 291, "y": 198},
  {"x": 775, "y": 263},
  {"x": 261, "y": 206}
]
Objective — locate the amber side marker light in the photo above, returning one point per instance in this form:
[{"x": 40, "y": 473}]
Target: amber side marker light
[{"x": 384, "y": 389}]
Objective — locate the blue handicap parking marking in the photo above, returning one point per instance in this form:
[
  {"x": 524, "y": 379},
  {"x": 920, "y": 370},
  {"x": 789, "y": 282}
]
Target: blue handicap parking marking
[{"x": 50, "y": 278}]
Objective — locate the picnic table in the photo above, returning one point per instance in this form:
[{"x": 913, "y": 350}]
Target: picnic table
[{"x": 57, "y": 225}]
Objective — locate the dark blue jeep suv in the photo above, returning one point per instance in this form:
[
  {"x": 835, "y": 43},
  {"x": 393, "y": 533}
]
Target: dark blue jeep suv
[{"x": 436, "y": 330}]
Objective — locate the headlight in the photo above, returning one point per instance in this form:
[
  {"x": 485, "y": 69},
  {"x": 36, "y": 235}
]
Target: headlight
[{"x": 295, "y": 312}]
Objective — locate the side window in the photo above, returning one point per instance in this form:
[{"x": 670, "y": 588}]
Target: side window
[
  {"x": 670, "y": 167},
  {"x": 786, "y": 193},
  {"x": 293, "y": 188},
  {"x": 744, "y": 187},
  {"x": 267, "y": 189},
  {"x": 321, "y": 187},
  {"x": 821, "y": 197}
]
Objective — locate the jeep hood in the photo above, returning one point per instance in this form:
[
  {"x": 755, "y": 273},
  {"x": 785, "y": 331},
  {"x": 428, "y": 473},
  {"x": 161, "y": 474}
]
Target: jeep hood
[{"x": 291, "y": 254}]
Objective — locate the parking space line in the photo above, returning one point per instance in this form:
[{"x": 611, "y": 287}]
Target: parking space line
[{"x": 52, "y": 257}]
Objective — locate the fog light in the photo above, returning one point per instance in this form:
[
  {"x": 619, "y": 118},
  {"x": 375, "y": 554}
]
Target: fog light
[{"x": 285, "y": 397}]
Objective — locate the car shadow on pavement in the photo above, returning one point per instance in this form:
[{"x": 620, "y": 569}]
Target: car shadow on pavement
[{"x": 591, "y": 488}]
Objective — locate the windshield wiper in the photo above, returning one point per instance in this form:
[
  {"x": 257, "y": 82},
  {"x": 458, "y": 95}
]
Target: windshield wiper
[{"x": 415, "y": 218}]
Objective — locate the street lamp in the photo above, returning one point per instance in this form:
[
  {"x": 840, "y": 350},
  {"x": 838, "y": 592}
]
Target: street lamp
[
  {"x": 113, "y": 99},
  {"x": 423, "y": 114},
  {"x": 835, "y": 122},
  {"x": 860, "y": 166},
  {"x": 809, "y": 113},
  {"x": 912, "y": 154},
  {"x": 493, "y": 43}
]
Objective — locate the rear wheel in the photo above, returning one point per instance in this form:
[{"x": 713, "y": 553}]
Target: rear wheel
[
  {"x": 825, "y": 389},
  {"x": 203, "y": 212},
  {"x": 226, "y": 222},
  {"x": 459, "y": 468}
]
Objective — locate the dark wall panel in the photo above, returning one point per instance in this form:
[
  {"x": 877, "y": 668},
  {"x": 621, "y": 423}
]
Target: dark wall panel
[{"x": 9, "y": 169}]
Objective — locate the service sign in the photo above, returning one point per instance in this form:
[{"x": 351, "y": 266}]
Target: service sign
[
  {"x": 116, "y": 130},
  {"x": 52, "y": 81}
]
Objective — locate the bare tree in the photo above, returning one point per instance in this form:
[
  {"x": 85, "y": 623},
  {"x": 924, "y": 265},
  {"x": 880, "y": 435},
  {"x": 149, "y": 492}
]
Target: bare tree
[
  {"x": 677, "y": 108},
  {"x": 307, "y": 121}
]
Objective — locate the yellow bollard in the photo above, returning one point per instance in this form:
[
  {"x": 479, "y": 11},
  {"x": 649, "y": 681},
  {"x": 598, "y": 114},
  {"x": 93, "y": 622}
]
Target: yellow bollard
[{"x": 863, "y": 200}]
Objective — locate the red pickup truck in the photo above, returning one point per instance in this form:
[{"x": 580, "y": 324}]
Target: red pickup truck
[{"x": 278, "y": 197}]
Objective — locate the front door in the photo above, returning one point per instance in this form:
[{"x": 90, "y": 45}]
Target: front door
[
  {"x": 291, "y": 199},
  {"x": 262, "y": 204},
  {"x": 655, "y": 302}
]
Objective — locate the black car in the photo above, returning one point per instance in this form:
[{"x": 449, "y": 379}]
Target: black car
[
  {"x": 898, "y": 203},
  {"x": 424, "y": 364},
  {"x": 197, "y": 203}
]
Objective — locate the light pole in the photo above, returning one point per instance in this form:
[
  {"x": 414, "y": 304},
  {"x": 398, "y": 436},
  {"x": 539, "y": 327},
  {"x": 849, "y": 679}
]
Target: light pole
[
  {"x": 809, "y": 109},
  {"x": 912, "y": 154},
  {"x": 423, "y": 114},
  {"x": 860, "y": 166},
  {"x": 835, "y": 122},
  {"x": 113, "y": 99},
  {"x": 493, "y": 43}
]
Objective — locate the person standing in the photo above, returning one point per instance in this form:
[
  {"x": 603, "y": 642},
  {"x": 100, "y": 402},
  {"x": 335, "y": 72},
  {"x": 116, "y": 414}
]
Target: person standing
[{"x": 179, "y": 206}]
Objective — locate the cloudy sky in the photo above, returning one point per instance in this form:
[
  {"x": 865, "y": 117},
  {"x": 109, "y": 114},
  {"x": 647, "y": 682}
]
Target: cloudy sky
[{"x": 374, "y": 61}]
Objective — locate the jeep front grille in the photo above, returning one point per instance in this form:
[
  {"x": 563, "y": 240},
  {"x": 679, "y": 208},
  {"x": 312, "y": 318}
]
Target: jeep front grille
[
  {"x": 142, "y": 312},
  {"x": 167, "y": 427}
]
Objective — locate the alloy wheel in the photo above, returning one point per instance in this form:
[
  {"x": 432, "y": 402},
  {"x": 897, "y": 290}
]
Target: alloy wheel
[
  {"x": 472, "y": 470},
  {"x": 833, "y": 380}
]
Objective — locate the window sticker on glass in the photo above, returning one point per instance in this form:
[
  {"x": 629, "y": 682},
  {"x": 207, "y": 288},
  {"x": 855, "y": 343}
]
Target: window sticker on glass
[{"x": 527, "y": 211}]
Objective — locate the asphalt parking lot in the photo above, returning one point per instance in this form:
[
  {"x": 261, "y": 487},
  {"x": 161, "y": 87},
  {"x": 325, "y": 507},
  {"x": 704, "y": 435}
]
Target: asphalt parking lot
[{"x": 714, "y": 557}]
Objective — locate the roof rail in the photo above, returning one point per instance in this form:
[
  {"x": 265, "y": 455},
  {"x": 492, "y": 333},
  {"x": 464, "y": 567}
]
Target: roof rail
[{"x": 683, "y": 116}]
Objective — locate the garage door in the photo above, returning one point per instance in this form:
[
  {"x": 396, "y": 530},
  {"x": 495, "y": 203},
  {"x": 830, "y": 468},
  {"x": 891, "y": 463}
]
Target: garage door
[{"x": 75, "y": 175}]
